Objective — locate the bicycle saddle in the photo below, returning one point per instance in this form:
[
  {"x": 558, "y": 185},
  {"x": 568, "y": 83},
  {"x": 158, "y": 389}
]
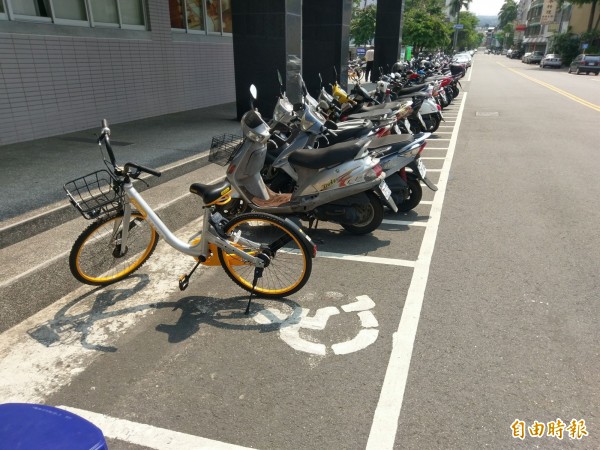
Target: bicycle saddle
[{"x": 211, "y": 193}]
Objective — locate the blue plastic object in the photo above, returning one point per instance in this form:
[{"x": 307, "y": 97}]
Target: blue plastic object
[{"x": 25, "y": 426}]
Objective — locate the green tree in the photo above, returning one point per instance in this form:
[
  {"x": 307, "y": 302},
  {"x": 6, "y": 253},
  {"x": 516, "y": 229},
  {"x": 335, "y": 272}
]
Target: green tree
[
  {"x": 567, "y": 45},
  {"x": 508, "y": 13},
  {"x": 455, "y": 7},
  {"x": 362, "y": 24},
  {"x": 425, "y": 31},
  {"x": 468, "y": 36}
]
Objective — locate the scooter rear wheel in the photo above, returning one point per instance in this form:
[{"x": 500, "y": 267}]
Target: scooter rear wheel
[
  {"x": 415, "y": 196},
  {"x": 371, "y": 216}
]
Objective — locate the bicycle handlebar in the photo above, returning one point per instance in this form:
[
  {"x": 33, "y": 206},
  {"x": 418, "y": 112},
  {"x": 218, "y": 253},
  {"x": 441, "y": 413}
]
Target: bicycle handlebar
[
  {"x": 105, "y": 136},
  {"x": 156, "y": 173}
]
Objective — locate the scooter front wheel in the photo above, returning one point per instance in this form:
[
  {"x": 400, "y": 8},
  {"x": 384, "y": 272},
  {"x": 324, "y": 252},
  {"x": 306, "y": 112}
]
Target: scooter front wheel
[{"x": 371, "y": 216}]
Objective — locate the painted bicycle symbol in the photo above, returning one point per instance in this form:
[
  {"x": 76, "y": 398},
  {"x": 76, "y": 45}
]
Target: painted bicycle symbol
[{"x": 290, "y": 326}]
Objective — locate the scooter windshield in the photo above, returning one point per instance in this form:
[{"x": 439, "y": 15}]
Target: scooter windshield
[{"x": 254, "y": 127}]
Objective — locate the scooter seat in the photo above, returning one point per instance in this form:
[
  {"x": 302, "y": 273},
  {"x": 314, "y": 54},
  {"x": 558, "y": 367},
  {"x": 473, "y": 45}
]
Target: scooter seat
[
  {"x": 371, "y": 114},
  {"x": 413, "y": 95},
  {"x": 391, "y": 140},
  {"x": 318, "y": 158},
  {"x": 411, "y": 89},
  {"x": 376, "y": 108},
  {"x": 345, "y": 134},
  {"x": 391, "y": 144}
]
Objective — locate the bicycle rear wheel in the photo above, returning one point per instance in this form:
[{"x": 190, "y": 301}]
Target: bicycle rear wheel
[
  {"x": 96, "y": 255},
  {"x": 270, "y": 238}
]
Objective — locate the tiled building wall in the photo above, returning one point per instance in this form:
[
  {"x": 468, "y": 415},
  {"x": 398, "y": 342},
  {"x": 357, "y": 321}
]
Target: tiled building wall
[{"x": 53, "y": 84}]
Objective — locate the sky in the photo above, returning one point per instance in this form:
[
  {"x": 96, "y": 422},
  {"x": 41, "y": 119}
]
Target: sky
[{"x": 486, "y": 7}]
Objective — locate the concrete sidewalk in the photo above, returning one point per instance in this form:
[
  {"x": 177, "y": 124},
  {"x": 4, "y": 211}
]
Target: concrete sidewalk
[{"x": 33, "y": 172}]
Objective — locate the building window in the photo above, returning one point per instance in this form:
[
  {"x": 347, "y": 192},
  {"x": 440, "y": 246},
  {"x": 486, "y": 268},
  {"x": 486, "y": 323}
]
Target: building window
[
  {"x": 201, "y": 16},
  {"x": 195, "y": 15},
  {"x": 70, "y": 9},
  {"x": 113, "y": 13}
]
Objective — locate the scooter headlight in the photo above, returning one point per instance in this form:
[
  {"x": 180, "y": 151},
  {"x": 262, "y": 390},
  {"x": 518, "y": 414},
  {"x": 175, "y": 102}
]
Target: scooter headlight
[{"x": 255, "y": 128}]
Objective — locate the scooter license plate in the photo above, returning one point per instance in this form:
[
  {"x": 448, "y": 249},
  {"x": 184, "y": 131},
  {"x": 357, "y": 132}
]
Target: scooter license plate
[
  {"x": 385, "y": 189},
  {"x": 422, "y": 168}
]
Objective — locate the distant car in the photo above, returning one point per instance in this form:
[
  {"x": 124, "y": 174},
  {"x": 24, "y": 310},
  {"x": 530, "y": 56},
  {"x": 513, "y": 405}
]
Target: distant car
[
  {"x": 525, "y": 56},
  {"x": 534, "y": 58},
  {"x": 585, "y": 64},
  {"x": 509, "y": 52},
  {"x": 463, "y": 58},
  {"x": 551, "y": 60},
  {"x": 516, "y": 54}
]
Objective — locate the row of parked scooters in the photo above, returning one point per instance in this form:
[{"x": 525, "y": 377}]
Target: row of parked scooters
[{"x": 341, "y": 157}]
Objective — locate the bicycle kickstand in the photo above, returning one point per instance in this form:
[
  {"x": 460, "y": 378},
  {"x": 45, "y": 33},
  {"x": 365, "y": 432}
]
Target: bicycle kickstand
[
  {"x": 184, "y": 280},
  {"x": 257, "y": 274}
]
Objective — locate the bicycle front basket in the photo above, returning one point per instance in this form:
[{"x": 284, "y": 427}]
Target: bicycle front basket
[
  {"x": 95, "y": 194},
  {"x": 223, "y": 148}
]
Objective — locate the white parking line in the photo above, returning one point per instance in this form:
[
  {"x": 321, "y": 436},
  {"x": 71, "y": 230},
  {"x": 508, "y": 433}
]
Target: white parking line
[
  {"x": 147, "y": 435},
  {"x": 385, "y": 421},
  {"x": 368, "y": 259},
  {"x": 408, "y": 223}
]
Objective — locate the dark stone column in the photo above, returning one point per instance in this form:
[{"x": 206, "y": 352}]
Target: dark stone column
[
  {"x": 325, "y": 41},
  {"x": 388, "y": 34},
  {"x": 267, "y": 36}
]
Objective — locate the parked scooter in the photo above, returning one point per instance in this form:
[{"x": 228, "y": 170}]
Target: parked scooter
[
  {"x": 341, "y": 184},
  {"x": 396, "y": 153}
]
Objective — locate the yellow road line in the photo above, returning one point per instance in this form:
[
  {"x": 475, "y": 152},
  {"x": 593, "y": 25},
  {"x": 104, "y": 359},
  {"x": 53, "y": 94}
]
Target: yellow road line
[{"x": 555, "y": 89}]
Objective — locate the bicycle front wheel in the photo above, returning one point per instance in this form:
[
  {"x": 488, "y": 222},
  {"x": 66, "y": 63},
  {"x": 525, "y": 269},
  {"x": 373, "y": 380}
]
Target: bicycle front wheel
[
  {"x": 98, "y": 258},
  {"x": 270, "y": 238}
]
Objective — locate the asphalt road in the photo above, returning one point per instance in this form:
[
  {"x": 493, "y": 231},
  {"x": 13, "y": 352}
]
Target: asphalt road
[{"x": 445, "y": 327}]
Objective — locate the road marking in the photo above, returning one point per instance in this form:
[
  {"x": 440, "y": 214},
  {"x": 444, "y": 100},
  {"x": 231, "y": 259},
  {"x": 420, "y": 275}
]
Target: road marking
[
  {"x": 148, "y": 435},
  {"x": 426, "y": 202},
  {"x": 407, "y": 223},
  {"x": 434, "y": 170},
  {"x": 369, "y": 259},
  {"x": 290, "y": 325},
  {"x": 385, "y": 421},
  {"x": 555, "y": 89}
]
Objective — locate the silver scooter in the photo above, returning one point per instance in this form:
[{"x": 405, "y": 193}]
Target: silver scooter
[{"x": 341, "y": 184}]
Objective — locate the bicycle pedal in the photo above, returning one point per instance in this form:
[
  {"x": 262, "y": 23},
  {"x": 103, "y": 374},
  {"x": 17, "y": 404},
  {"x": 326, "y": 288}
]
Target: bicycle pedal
[{"x": 184, "y": 282}]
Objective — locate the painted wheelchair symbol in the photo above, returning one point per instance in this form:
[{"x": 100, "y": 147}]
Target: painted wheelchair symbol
[{"x": 290, "y": 326}]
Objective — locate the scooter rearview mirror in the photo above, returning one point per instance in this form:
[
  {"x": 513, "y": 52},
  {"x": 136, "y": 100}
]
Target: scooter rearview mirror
[
  {"x": 281, "y": 91},
  {"x": 254, "y": 94}
]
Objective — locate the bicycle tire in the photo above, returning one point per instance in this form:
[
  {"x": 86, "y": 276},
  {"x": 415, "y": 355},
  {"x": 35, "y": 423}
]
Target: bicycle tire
[
  {"x": 93, "y": 258},
  {"x": 289, "y": 265}
]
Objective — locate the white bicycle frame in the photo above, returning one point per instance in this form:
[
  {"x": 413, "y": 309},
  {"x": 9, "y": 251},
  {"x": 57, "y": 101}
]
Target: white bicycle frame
[{"x": 199, "y": 250}]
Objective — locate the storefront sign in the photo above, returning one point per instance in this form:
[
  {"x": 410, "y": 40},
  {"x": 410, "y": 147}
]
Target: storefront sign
[{"x": 548, "y": 11}]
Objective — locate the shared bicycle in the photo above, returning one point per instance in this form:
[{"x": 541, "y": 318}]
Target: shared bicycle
[{"x": 262, "y": 253}]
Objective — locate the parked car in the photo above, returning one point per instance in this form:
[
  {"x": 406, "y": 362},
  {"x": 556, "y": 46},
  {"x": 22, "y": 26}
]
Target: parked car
[
  {"x": 551, "y": 60},
  {"x": 462, "y": 58},
  {"x": 516, "y": 54},
  {"x": 509, "y": 52},
  {"x": 525, "y": 56},
  {"x": 533, "y": 58},
  {"x": 585, "y": 64}
]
